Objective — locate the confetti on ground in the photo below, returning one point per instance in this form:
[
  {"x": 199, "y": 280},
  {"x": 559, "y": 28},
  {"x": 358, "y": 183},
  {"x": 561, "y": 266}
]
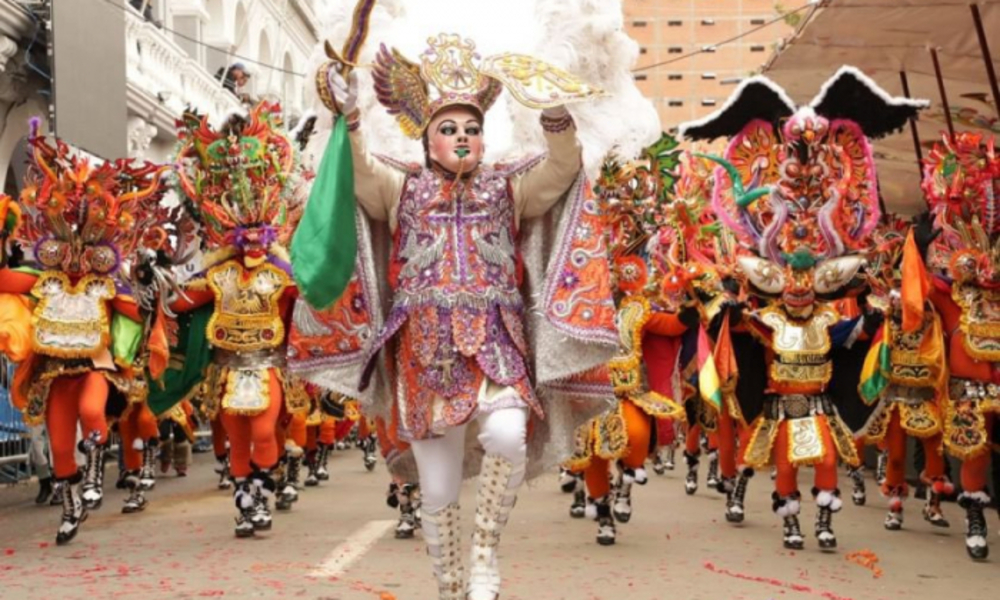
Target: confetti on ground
[
  {"x": 798, "y": 587},
  {"x": 867, "y": 559}
]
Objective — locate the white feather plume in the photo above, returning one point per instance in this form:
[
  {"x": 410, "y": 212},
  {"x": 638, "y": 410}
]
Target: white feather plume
[{"x": 584, "y": 37}]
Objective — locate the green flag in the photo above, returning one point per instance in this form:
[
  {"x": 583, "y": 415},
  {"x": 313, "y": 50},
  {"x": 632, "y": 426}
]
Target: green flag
[
  {"x": 325, "y": 244},
  {"x": 193, "y": 352}
]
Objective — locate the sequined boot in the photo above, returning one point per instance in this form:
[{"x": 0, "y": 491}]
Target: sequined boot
[{"x": 442, "y": 533}]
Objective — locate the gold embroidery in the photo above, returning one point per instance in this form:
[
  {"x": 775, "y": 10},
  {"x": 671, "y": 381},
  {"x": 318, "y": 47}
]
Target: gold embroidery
[
  {"x": 71, "y": 321},
  {"x": 802, "y": 347},
  {"x": 246, "y": 316},
  {"x": 805, "y": 441},
  {"x": 980, "y": 321}
]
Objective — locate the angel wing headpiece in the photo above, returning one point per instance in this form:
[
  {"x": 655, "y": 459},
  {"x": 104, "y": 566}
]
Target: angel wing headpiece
[
  {"x": 81, "y": 216},
  {"x": 237, "y": 177},
  {"x": 451, "y": 72}
]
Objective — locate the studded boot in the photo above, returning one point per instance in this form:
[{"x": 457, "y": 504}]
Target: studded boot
[
  {"x": 894, "y": 518},
  {"x": 322, "y": 456},
  {"x": 975, "y": 523},
  {"x": 93, "y": 476},
  {"x": 243, "y": 496},
  {"x": 712, "y": 481},
  {"x": 222, "y": 470},
  {"x": 578, "y": 509},
  {"x": 442, "y": 533},
  {"x": 736, "y": 500},
  {"x": 936, "y": 488},
  {"x": 859, "y": 494},
  {"x": 136, "y": 500},
  {"x": 788, "y": 507},
  {"x": 691, "y": 479},
  {"x": 567, "y": 480},
  {"x": 368, "y": 446},
  {"x": 606, "y": 532},
  {"x": 499, "y": 481},
  {"x": 74, "y": 512},
  {"x": 827, "y": 503},
  {"x": 408, "y": 524},
  {"x": 147, "y": 474},
  {"x": 264, "y": 489},
  {"x": 881, "y": 467}
]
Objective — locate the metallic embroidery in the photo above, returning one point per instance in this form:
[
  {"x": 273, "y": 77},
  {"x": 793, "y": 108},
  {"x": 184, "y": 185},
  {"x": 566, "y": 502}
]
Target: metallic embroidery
[
  {"x": 71, "y": 321},
  {"x": 980, "y": 321},
  {"x": 805, "y": 441},
  {"x": 247, "y": 315}
]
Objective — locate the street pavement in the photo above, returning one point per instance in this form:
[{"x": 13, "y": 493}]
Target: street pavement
[{"x": 337, "y": 544}]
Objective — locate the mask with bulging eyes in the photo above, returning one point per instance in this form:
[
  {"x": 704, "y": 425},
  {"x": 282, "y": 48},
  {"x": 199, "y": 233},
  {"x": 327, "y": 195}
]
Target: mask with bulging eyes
[
  {"x": 798, "y": 287},
  {"x": 77, "y": 258}
]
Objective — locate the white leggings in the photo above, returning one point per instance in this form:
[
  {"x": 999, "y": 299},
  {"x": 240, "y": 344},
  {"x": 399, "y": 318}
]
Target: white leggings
[{"x": 502, "y": 432}]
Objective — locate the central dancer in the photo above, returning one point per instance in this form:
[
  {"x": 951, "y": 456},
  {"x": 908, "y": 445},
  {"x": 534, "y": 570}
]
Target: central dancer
[{"x": 463, "y": 359}]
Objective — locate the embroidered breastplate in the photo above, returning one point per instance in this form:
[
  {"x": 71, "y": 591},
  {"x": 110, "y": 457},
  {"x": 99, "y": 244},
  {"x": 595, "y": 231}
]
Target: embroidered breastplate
[
  {"x": 71, "y": 321},
  {"x": 247, "y": 316},
  {"x": 980, "y": 321},
  {"x": 909, "y": 366},
  {"x": 626, "y": 366},
  {"x": 458, "y": 249},
  {"x": 802, "y": 348}
]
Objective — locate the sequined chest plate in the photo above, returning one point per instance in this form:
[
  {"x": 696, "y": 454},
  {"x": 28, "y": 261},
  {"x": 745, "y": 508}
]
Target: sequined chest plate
[
  {"x": 980, "y": 321},
  {"x": 802, "y": 347},
  {"x": 247, "y": 315},
  {"x": 71, "y": 321}
]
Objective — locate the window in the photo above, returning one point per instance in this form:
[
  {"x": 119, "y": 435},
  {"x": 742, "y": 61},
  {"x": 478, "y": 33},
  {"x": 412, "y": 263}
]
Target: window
[
  {"x": 757, "y": 21},
  {"x": 708, "y": 102},
  {"x": 709, "y": 48},
  {"x": 640, "y": 77},
  {"x": 675, "y": 50},
  {"x": 708, "y": 75},
  {"x": 756, "y": 47},
  {"x": 675, "y": 77},
  {"x": 708, "y": 22},
  {"x": 674, "y": 23},
  {"x": 675, "y": 102},
  {"x": 638, "y": 23}
]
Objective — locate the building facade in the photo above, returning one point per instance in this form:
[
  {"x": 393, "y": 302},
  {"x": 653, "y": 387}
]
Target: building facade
[{"x": 693, "y": 86}]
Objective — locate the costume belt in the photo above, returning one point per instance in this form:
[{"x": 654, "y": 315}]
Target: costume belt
[
  {"x": 971, "y": 389},
  {"x": 797, "y": 406},
  {"x": 258, "y": 359}
]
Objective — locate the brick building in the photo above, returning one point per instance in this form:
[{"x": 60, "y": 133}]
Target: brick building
[{"x": 695, "y": 86}]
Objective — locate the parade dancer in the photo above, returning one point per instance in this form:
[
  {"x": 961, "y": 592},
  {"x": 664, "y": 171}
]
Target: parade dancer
[
  {"x": 796, "y": 182},
  {"x": 240, "y": 181},
  {"x": 961, "y": 183},
  {"x": 907, "y": 384},
  {"x": 455, "y": 340},
  {"x": 80, "y": 222}
]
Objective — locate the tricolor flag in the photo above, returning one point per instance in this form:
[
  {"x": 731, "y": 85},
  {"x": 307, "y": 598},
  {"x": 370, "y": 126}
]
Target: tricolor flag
[
  {"x": 708, "y": 375},
  {"x": 875, "y": 374}
]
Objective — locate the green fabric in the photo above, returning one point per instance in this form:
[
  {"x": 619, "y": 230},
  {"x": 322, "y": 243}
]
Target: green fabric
[
  {"x": 874, "y": 377},
  {"x": 126, "y": 338},
  {"x": 193, "y": 352},
  {"x": 325, "y": 243}
]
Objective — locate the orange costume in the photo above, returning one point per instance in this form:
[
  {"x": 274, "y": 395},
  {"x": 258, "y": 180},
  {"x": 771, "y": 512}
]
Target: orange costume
[
  {"x": 961, "y": 182},
  {"x": 79, "y": 342},
  {"x": 241, "y": 180},
  {"x": 798, "y": 188}
]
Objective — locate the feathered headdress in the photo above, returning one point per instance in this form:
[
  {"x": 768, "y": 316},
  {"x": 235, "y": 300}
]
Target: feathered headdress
[
  {"x": 813, "y": 163},
  {"x": 452, "y": 73},
  {"x": 237, "y": 177},
  {"x": 962, "y": 185},
  {"x": 83, "y": 217}
]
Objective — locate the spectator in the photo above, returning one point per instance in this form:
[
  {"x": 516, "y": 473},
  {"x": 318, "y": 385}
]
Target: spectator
[
  {"x": 144, "y": 8},
  {"x": 234, "y": 79}
]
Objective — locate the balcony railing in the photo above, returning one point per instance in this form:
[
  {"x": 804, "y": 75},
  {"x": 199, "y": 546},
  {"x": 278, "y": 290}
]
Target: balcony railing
[{"x": 159, "y": 66}]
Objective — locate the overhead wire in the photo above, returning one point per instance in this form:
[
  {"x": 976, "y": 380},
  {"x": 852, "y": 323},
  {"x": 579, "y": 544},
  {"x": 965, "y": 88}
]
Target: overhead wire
[{"x": 184, "y": 36}]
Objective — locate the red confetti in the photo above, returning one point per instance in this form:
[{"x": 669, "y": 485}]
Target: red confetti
[
  {"x": 867, "y": 559},
  {"x": 775, "y": 582},
  {"x": 9, "y": 552}
]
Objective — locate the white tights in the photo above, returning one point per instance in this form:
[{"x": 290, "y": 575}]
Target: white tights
[{"x": 501, "y": 432}]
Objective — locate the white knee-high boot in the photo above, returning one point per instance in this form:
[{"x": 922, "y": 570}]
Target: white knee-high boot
[{"x": 442, "y": 533}]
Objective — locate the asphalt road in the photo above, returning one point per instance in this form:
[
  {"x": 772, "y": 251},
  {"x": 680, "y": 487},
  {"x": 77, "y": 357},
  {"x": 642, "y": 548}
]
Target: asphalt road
[{"x": 337, "y": 544}]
